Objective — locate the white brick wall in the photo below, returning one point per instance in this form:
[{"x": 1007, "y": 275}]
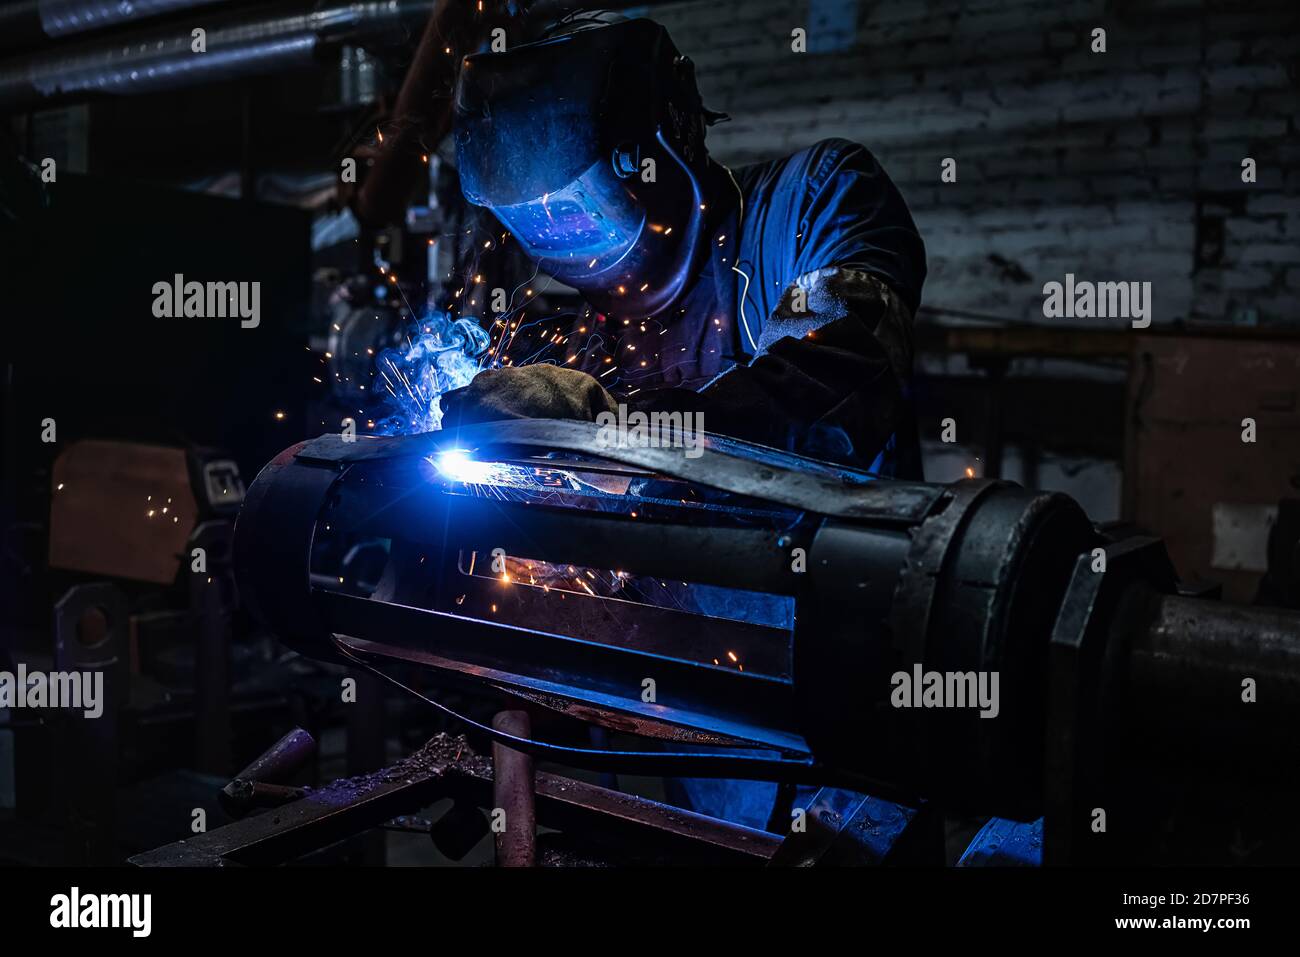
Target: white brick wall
[{"x": 1068, "y": 161}]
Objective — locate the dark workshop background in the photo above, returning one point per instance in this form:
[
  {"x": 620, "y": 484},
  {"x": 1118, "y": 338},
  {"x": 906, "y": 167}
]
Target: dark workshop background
[{"x": 1122, "y": 166}]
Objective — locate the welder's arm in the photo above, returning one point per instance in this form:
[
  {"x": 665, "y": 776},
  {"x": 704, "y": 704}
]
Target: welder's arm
[{"x": 829, "y": 378}]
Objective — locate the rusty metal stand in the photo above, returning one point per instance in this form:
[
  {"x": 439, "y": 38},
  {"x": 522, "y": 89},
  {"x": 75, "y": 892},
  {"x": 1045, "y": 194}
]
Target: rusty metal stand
[
  {"x": 514, "y": 795},
  {"x": 611, "y": 822}
]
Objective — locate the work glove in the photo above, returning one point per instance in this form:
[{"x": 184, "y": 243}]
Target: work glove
[{"x": 527, "y": 392}]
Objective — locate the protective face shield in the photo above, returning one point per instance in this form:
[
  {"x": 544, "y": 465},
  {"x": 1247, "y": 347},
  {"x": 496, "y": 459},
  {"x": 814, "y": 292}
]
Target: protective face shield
[{"x": 590, "y": 149}]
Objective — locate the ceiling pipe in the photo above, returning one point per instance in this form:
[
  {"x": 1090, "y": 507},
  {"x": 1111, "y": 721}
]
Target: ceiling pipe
[
  {"x": 288, "y": 36},
  {"x": 28, "y": 24}
]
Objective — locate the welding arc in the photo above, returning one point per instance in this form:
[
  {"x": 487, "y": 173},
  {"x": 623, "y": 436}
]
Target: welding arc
[{"x": 666, "y": 763}]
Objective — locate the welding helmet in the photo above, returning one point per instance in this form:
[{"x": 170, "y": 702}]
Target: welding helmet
[{"x": 589, "y": 147}]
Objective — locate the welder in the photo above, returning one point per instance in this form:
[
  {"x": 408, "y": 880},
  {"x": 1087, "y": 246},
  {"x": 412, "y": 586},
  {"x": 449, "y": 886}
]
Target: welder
[{"x": 775, "y": 300}]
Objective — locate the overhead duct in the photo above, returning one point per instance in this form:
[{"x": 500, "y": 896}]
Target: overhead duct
[
  {"x": 28, "y": 23},
  {"x": 284, "y": 38}
]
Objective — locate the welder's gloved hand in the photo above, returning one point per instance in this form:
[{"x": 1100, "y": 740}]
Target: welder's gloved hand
[{"x": 528, "y": 392}]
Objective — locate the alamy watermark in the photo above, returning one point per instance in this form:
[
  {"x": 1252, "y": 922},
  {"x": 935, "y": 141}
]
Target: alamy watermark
[
  {"x": 946, "y": 689},
  {"x": 660, "y": 430},
  {"x": 179, "y": 299},
  {"x": 76, "y": 910},
  {"x": 75, "y": 690},
  {"x": 1098, "y": 300}
]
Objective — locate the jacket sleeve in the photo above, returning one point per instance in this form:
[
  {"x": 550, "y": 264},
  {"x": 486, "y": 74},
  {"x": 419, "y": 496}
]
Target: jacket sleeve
[{"x": 830, "y": 378}]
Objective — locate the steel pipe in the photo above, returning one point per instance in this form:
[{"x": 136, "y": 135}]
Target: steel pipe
[{"x": 288, "y": 36}]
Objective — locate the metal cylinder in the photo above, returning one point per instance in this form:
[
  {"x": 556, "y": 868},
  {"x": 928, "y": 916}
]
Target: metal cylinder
[
  {"x": 970, "y": 600},
  {"x": 1214, "y": 686},
  {"x": 994, "y": 591}
]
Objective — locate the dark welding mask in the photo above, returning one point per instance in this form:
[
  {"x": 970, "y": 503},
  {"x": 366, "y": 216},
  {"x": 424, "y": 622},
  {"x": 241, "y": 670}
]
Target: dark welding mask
[{"x": 589, "y": 147}]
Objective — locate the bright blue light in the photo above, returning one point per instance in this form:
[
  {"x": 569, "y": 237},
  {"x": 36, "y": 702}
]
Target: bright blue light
[{"x": 455, "y": 464}]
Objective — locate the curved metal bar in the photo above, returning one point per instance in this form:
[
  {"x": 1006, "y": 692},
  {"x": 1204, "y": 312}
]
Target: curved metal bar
[{"x": 780, "y": 477}]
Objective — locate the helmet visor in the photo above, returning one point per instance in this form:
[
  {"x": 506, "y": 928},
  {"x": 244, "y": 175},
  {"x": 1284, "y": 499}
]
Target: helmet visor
[{"x": 586, "y": 226}]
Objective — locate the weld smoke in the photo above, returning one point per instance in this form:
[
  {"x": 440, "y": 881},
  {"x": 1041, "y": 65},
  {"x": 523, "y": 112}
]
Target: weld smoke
[{"x": 441, "y": 354}]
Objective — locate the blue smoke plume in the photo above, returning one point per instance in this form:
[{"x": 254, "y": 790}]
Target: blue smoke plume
[{"x": 441, "y": 354}]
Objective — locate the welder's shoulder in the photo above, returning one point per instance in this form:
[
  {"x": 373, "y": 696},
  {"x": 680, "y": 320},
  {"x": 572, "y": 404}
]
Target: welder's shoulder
[
  {"x": 854, "y": 215},
  {"x": 808, "y": 178},
  {"x": 842, "y": 209},
  {"x": 834, "y": 165}
]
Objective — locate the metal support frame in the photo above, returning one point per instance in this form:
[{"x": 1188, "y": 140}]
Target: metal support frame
[
  {"x": 514, "y": 785},
  {"x": 447, "y": 767}
]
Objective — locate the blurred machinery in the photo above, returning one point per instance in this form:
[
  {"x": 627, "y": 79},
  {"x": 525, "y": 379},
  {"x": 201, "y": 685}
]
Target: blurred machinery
[
  {"x": 139, "y": 541},
  {"x": 162, "y": 516}
]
